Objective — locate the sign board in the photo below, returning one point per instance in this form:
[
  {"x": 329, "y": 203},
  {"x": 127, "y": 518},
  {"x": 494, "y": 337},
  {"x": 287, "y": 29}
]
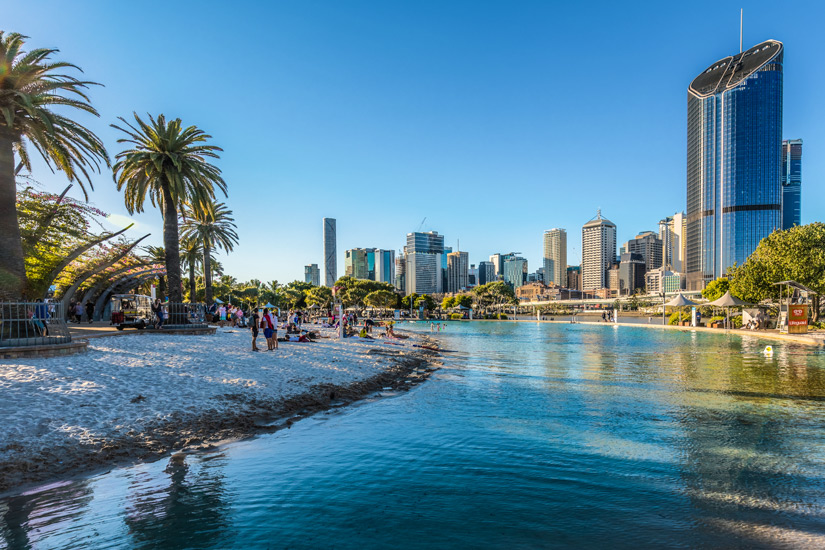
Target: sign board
[
  {"x": 693, "y": 322},
  {"x": 798, "y": 318},
  {"x": 397, "y": 314}
]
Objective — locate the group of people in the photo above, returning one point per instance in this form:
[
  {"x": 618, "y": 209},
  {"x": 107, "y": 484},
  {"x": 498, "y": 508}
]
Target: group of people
[
  {"x": 268, "y": 322},
  {"x": 77, "y": 309},
  {"x": 222, "y": 314}
]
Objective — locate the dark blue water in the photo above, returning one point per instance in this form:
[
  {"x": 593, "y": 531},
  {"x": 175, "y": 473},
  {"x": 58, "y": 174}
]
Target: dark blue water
[{"x": 531, "y": 436}]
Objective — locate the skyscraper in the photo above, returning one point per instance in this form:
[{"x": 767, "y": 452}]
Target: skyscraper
[
  {"x": 330, "y": 254},
  {"x": 312, "y": 274},
  {"x": 400, "y": 272},
  {"x": 486, "y": 273},
  {"x": 598, "y": 252},
  {"x": 384, "y": 271},
  {"x": 457, "y": 271},
  {"x": 791, "y": 179},
  {"x": 515, "y": 271},
  {"x": 672, "y": 234},
  {"x": 424, "y": 274},
  {"x": 734, "y": 160},
  {"x": 574, "y": 277},
  {"x": 356, "y": 263},
  {"x": 555, "y": 257},
  {"x": 649, "y": 246}
]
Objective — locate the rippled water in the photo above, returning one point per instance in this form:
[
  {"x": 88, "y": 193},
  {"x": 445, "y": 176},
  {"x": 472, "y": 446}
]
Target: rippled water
[{"x": 530, "y": 436}]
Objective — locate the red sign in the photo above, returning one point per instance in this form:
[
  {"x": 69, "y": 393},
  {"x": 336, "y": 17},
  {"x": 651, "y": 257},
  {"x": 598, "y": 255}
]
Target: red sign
[{"x": 798, "y": 317}]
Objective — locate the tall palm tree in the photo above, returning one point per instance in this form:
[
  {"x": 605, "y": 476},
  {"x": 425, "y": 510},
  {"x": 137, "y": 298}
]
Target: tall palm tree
[
  {"x": 215, "y": 229},
  {"x": 30, "y": 85},
  {"x": 168, "y": 163},
  {"x": 192, "y": 256},
  {"x": 157, "y": 255}
]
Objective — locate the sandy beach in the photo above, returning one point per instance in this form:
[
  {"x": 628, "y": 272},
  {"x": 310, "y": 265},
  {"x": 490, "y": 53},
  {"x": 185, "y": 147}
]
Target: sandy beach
[{"x": 138, "y": 397}]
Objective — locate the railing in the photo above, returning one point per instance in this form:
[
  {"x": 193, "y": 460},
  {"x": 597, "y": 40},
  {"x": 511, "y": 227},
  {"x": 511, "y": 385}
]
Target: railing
[
  {"x": 32, "y": 324},
  {"x": 188, "y": 315}
]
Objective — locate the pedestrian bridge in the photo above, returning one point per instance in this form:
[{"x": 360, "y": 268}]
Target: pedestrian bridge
[{"x": 652, "y": 299}]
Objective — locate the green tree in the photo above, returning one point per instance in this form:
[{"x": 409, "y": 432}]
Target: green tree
[
  {"x": 384, "y": 299},
  {"x": 796, "y": 254},
  {"x": 406, "y": 301},
  {"x": 157, "y": 255},
  {"x": 716, "y": 289},
  {"x": 448, "y": 302},
  {"x": 463, "y": 300},
  {"x": 31, "y": 84},
  {"x": 320, "y": 296},
  {"x": 214, "y": 227},
  {"x": 167, "y": 163},
  {"x": 425, "y": 300},
  {"x": 495, "y": 294},
  {"x": 192, "y": 258},
  {"x": 299, "y": 285}
]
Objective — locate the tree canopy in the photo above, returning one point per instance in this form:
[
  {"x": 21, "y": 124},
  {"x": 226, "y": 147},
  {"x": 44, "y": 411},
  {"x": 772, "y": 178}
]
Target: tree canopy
[
  {"x": 716, "y": 289},
  {"x": 496, "y": 293}
]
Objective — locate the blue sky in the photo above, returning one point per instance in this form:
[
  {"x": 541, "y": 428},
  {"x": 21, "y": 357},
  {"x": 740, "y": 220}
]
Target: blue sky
[{"x": 494, "y": 120}]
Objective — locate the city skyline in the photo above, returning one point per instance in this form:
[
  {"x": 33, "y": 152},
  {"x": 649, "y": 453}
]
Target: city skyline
[{"x": 538, "y": 152}]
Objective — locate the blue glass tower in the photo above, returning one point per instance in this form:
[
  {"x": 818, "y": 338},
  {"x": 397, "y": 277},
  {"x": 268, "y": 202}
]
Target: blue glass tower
[
  {"x": 734, "y": 160},
  {"x": 791, "y": 183}
]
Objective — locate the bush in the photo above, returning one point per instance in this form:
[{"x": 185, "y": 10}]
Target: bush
[
  {"x": 736, "y": 321},
  {"x": 674, "y": 318},
  {"x": 716, "y": 318},
  {"x": 456, "y": 316},
  {"x": 502, "y": 316}
]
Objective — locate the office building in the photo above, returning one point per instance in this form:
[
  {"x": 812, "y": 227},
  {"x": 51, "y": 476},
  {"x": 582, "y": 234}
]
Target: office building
[
  {"x": 472, "y": 276},
  {"x": 515, "y": 271},
  {"x": 598, "y": 252},
  {"x": 330, "y": 254},
  {"x": 555, "y": 257},
  {"x": 632, "y": 271},
  {"x": 384, "y": 270},
  {"x": 424, "y": 271},
  {"x": 574, "y": 277},
  {"x": 312, "y": 274},
  {"x": 672, "y": 233},
  {"x": 649, "y": 246},
  {"x": 486, "y": 273},
  {"x": 672, "y": 281},
  {"x": 613, "y": 278},
  {"x": 373, "y": 264},
  {"x": 457, "y": 271},
  {"x": 356, "y": 263},
  {"x": 791, "y": 180},
  {"x": 734, "y": 160},
  {"x": 400, "y": 273}
]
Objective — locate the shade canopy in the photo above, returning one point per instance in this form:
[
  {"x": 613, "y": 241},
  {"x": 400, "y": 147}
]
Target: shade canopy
[
  {"x": 680, "y": 301},
  {"x": 727, "y": 301},
  {"x": 314, "y": 306},
  {"x": 218, "y": 301},
  {"x": 269, "y": 305}
]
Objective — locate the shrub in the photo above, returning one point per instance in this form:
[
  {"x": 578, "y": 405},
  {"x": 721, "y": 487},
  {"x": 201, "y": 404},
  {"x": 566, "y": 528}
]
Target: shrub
[
  {"x": 456, "y": 316},
  {"x": 502, "y": 316},
  {"x": 736, "y": 321},
  {"x": 674, "y": 318}
]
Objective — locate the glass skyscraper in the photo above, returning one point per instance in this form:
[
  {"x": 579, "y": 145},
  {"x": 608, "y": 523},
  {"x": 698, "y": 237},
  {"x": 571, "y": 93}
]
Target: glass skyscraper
[
  {"x": 791, "y": 183},
  {"x": 734, "y": 160}
]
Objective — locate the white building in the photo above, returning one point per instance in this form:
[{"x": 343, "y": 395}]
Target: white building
[
  {"x": 672, "y": 232},
  {"x": 598, "y": 252},
  {"x": 424, "y": 271},
  {"x": 555, "y": 257}
]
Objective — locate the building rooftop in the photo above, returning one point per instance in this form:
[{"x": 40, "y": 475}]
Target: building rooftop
[{"x": 730, "y": 71}]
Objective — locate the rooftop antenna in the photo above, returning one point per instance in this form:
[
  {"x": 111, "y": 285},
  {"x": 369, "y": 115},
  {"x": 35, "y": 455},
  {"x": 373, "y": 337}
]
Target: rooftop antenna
[{"x": 741, "y": 15}]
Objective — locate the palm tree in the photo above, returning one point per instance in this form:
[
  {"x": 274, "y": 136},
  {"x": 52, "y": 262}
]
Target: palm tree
[
  {"x": 192, "y": 257},
  {"x": 168, "y": 163},
  {"x": 157, "y": 255},
  {"x": 215, "y": 229},
  {"x": 30, "y": 85}
]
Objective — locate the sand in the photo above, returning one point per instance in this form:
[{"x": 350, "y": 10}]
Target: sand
[{"x": 134, "y": 398}]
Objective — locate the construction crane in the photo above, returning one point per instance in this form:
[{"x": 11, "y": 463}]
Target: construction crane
[{"x": 421, "y": 225}]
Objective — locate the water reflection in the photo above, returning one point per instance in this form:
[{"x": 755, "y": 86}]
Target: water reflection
[{"x": 533, "y": 435}]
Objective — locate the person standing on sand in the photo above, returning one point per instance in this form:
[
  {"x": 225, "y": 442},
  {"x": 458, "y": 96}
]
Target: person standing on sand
[
  {"x": 256, "y": 319},
  {"x": 270, "y": 330}
]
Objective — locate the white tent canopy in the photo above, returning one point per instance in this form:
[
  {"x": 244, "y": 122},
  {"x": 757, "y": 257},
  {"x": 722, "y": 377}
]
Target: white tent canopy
[
  {"x": 727, "y": 300},
  {"x": 680, "y": 301}
]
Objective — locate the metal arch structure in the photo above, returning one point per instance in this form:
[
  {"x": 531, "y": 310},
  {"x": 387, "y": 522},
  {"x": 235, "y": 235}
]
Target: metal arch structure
[
  {"x": 74, "y": 254},
  {"x": 93, "y": 291},
  {"x": 117, "y": 284},
  {"x": 69, "y": 294}
]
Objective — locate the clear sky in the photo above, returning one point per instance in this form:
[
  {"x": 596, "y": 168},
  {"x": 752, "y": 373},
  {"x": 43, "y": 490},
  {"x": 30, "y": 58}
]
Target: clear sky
[{"x": 494, "y": 120}]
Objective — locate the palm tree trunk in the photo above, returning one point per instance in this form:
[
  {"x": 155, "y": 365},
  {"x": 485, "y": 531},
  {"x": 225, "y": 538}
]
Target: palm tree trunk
[
  {"x": 12, "y": 266},
  {"x": 207, "y": 272},
  {"x": 192, "y": 287},
  {"x": 171, "y": 247}
]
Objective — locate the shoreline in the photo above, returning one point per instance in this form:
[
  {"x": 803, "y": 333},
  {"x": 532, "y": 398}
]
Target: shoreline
[{"x": 239, "y": 416}]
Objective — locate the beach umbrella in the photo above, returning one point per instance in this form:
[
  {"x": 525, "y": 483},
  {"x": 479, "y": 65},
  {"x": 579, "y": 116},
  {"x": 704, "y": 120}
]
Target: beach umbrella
[
  {"x": 218, "y": 301},
  {"x": 727, "y": 301},
  {"x": 269, "y": 305},
  {"x": 680, "y": 301}
]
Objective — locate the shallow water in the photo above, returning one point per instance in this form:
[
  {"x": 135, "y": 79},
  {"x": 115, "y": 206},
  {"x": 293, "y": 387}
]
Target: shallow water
[{"x": 530, "y": 436}]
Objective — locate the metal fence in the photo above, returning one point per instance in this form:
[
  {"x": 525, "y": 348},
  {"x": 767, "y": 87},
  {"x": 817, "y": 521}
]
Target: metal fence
[
  {"x": 186, "y": 315},
  {"x": 32, "y": 324}
]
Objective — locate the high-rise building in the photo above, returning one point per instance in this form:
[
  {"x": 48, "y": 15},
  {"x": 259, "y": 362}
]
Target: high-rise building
[
  {"x": 574, "y": 277},
  {"x": 356, "y": 263},
  {"x": 330, "y": 254},
  {"x": 649, "y": 246},
  {"x": 672, "y": 233},
  {"x": 734, "y": 160},
  {"x": 424, "y": 272},
  {"x": 791, "y": 179},
  {"x": 312, "y": 274},
  {"x": 598, "y": 252},
  {"x": 372, "y": 264},
  {"x": 472, "y": 276},
  {"x": 384, "y": 271},
  {"x": 631, "y": 273},
  {"x": 515, "y": 271},
  {"x": 400, "y": 273},
  {"x": 486, "y": 273},
  {"x": 555, "y": 257},
  {"x": 457, "y": 271}
]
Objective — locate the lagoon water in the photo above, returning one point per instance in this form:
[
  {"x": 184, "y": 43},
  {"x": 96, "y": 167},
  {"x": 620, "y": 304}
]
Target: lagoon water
[{"x": 530, "y": 436}]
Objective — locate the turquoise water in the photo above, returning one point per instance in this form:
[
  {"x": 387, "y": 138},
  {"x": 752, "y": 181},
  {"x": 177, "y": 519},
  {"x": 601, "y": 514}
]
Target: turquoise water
[{"x": 530, "y": 436}]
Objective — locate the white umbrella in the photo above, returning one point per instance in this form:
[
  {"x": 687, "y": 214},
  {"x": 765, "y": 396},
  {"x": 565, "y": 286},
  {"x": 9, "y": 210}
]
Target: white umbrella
[
  {"x": 680, "y": 301},
  {"x": 727, "y": 301}
]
